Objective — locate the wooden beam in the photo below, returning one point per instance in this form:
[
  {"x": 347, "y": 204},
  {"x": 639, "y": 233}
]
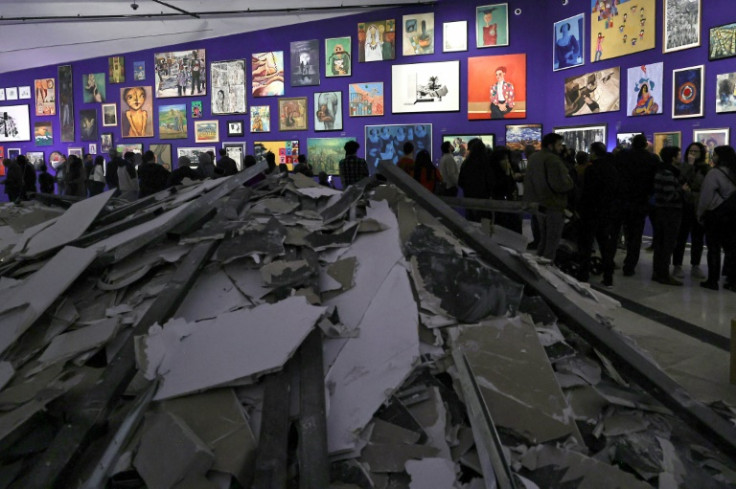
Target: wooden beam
[{"x": 314, "y": 464}]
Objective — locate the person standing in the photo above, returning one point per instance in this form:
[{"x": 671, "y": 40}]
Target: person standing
[
  {"x": 13, "y": 180},
  {"x": 96, "y": 179},
  {"x": 448, "y": 170},
  {"x": 502, "y": 95},
  {"x": 152, "y": 177},
  {"x": 225, "y": 166},
  {"x": 476, "y": 177},
  {"x": 406, "y": 162},
  {"x": 668, "y": 193},
  {"x": 45, "y": 180},
  {"x": 352, "y": 168}
]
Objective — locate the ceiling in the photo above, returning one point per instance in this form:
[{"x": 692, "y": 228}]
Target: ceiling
[{"x": 50, "y": 32}]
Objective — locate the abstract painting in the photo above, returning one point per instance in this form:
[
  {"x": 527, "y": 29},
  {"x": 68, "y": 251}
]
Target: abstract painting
[
  {"x": 286, "y": 152},
  {"x": 228, "y": 87},
  {"x": 418, "y": 34},
  {"x": 519, "y": 136},
  {"x": 621, "y": 28},
  {"x": 116, "y": 69},
  {"x": 492, "y": 25},
  {"x": 687, "y": 92},
  {"x": 45, "y": 96},
  {"x": 366, "y": 99},
  {"x": 328, "y": 111},
  {"x": 726, "y": 92},
  {"x": 377, "y": 40},
  {"x": 267, "y": 74},
  {"x": 722, "y": 42},
  {"x": 304, "y": 63},
  {"x": 180, "y": 73},
  {"x": 485, "y": 75},
  {"x": 644, "y": 93},
  {"x": 592, "y": 93}
]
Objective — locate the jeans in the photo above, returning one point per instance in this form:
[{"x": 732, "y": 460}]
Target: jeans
[
  {"x": 689, "y": 226},
  {"x": 666, "y": 225}
]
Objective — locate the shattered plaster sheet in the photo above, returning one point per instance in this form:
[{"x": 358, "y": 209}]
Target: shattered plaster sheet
[
  {"x": 431, "y": 473},
  {"x": 212, "y": 294},
  {"x": 68, "y": 345}
]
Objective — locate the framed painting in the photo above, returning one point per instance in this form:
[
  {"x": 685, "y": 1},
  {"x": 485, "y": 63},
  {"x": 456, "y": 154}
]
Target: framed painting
[
  {"x": 338, "y": 52},
  {"x": 55, "y": 158},
  {"x": 722, "y": 42},
  {"x": 293, "y": 114},
  {"x": 136, "y": 116},
  {"x": 366, "y": 99},
  {"x": 92, "y": 148},
  {"x": 163, "y": 154},
  {"x": 109, "y": 115},
  {"x": 519, "y": 136},
  {"x": 593, "y": 93},
  {"x": 36, "y": 158},
  {"x": 286, "y": 152},
  {"x": 569, "y": 47},
  {"x": 43, "y": 133},
  {"x": 207, "y": 131},
  {"x": 385, "y": 142},
  {"x": 687, "y": 92},
  {"x": 485, "y": 75},
  {"x": 425, "y": 87},
  {"x": 76, "y": 152},
  {"x": 235, "y": 128},
  {"x": 11, "y": 93},
  {"x": 13, "y": 153},
  {"x": 228, "y": 87},
  {"x": 193, "y": 153},
  {"x": 106, "y": 142},
  {"x": 492, "y": 25},
  {"x": 139, "y": 70},
  {"x": 123, "y": 148},
  {"x": 726, "y": 92},
  {"x": 66, "y": 103},
  {"x": 172, "y": 121},
  {"x": 460, "y": 142},
  {"x": 377, "y": 40},
  {"x": 93, "y": 88},
  {"x": 455, "y": 36},
  {"x": 304, "y": 63},
  {"x": 24, "y": 93},
  {"x": 644, "y": 93},
  {"x": 418, "y": 35},
  {"x": 236, "y": 151},
  {"x": 2, "y": 96},
  {"x": 45, "y": 96},
  {"x": 580, "y": 138},
  {"x": 681, "y": 19},
  {"x": 624, "y": 139},
  {"x": 179, "y": 72},
  {"x": 710, "y": 138},
  {"x": 15, "y": 123},
  {"x": 324, "y": 154},
  {"x": 662, "y": 139},
  {"x": 116, "y": 69},
  {"x": 267, "y": 74},
  {"x": 196, "y": 109},
  {"x": 88, "y": 121},
  {"x": 328, "y": 111},
  {"x": 618, "y": 29},
  {"x": 260, "y": 118}
]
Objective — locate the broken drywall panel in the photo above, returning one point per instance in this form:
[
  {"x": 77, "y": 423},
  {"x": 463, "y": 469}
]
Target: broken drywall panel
[
  {"x": 516, "y": 379},
  {"x": 138, "y": 265},
  {"x": 583, "y": 367},
  {"x": 236, "y": 344},
  {"x": 24, "y": 303},
  {"x": 623, "y": 423},
  {"x": 432, "y": 415},
  {"x": 247, "y": 279},
  {"x": 282, "y": 273},
  {"x": 68, "y": 345},
  {"x": 370, "y": 366},
  {"x": 343, "y": 271},
  {"x": 327, "y": 283},
  {"x": 274, "y": 206},
  {"x": 254, "y": 242},
  {"x": 22, "y": 389},
  {"x": 629, "y": 398},
  {"x": 6, "y": 374},
  {"x": 295, "y": 236},
  {"x": 338, "y": 205},
  {"x": 370, "y": 226},
  {"x": 384, "y": 432},
  {"x": 64, "y": 316},
  {"x": 319, "y": 241},
  {"x": 431, "y": 473},
  {"x": 392, "y": 458},
  {"x": 211, "y": 294},
  {"x": 586, "y": 403},
  {"x": 170, "y": 452},
  {"x": 29, "y": 233},
  {"x": 538, "y": 309},
  {"x": 406, "y": 214}
]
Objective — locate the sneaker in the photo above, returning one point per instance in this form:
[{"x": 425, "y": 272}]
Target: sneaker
[
  {"x": 669, "y": 280},
  {"x": 677, "y": 272},
  {"x": 696, "y": 272},
  {"x": 709, "y": 285}
]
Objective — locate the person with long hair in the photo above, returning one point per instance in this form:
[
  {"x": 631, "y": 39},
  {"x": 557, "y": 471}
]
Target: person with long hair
[
  {"x": 425, "y": 172},
  {"x": 448, "y": 170},
  {"x": 476, "y": 177},
  {"x": 97, "y": 176},
  {"x": 504, "y": 187}
]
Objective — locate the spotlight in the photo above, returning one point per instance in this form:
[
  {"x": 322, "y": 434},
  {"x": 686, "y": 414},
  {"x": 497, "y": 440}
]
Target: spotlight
[{"x": 134, "y": 6}]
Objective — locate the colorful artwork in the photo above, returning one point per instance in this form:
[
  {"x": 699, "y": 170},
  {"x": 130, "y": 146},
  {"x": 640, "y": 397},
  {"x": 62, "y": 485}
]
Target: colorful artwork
[
  {"x": 163, "y": 154},
  {"x": 687, "y": 92},
  {"x": 377, "y": 40},
  {"x": 180, "y": 72},
  {"x": 88, "y": 121},
  {"x": 228, "y": 87},
  {"x": 106, "y": 142},
  {"x": 172, "y": 121},
  {"x": 43, "y": 134},
  {"x": 711, "y": 138},
  {"x": 286, "y": 152},
  {"x": 497, "y": 87},
  {"x": 260, "y": 118},
  {"x": 621, "y": 28},
  {"x": 293, "y": 114},
  {"x": 267, "y": 71},
  {"x": 66, "y": 103},
  {"x": 45, "y": 96},
  {"x": 385, "y": 142},
  {"x": 109, "y": 115},
  {"x": 592, "y": 93},
  {"x": 139, "y": 70},
  {"x": 207, "y": 131},
  {"x": 681, "y": 25},
  {"x": 324, "y": 154},
  {"x": 36, "y": 158},
  {"x": 492, "y": 25},
  {"x": 15, "y": 124},
  {"x": 94, "y": 88},
  {"x": 455, "y": 36},
  {"x": 726, "y": 92},
  {"x": 722, "y": 42},
  {"x": 136, "y": 111},
  {"x": 662, "y": 139},
  {"x": 338, "y": 57},
  {"x": 644, "y": 90},
  {"x": 460, "y": 142},
  {"x": 123, "y": 148},
  {"x": 569, "y": 49},
  {"x": 366, "y": 99},
  {"x": 425, "y": 87},
  {"x": 519, "y": 136},
  {"x": 193, "y": 153},
  {"x": 624, "y": 139},
  {"x": 328, "y": 111},
  {"x": 305, "y": 63},
  {"x": 418, "y": 34},
  {"x": 236, "y": 151},
  {"x": 196, "y": 109},
  {"x": 116, "y": 69},
  {"x": 580, "y": 138}
]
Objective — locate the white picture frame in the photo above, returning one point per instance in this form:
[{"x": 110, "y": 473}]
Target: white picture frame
[
  {"x": 455, "y": 36},
  {"x": 425, "y": 87}
]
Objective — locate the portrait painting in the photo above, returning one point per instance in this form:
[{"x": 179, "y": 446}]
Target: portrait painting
[
  {"x": 324, "y": 154},
  {"x": 15, "y": 123},
  {"x": 338, "y": 52},
  {"x": 43, "y": 133},
  {"x": 305, "y": 63},
  {"x": 235, "y": 128},
  {"x": 418, "y": 35},
  {"x": 106, "y": 142},
  {"x": 66, "y": 103},
  {"x": 139, "y": 70},
  {"x": 569, "y": 47},
  {"x": 687, "y": 92},
  {"x": 492, "y": 25},
  {"x": 180, "y": 73},
  {"x": 228, "y": 87},
  {"x": 455, "y": 36},
  {"x": 497, "y": 87},
  {"x": 207, "y": 131},
  {"x": 196, "y": 109},
  {"x": 662, "y": 139},
  {"x": 236, "y": 151},
  {"x": 726, "y": 92},
  {"x": 293, "y": 114},
  {"x": 36, "y": 158},
  {"x": 260, "y": 118},
  {"x": 88, "y": 122},
  {"x": 109, "y": 115},
  {"x": 621, "y": 28},
  {"x": 328, "y": 111},
  {"x": 460, "y": 143},
  {"x": 580, "y": 138},
  {"x": 593, "y": 93},
  {"x": 172, "y": 121},
  {"x": 93, "y": 88},
  {"x": 722, "y": 42},
  {"x": 92, "y": 148},
  {"x": 385, "y": 142},
  {"x": 193, "y": 153},
  {"x": 644, "y": 92},
  {"x": 711, "y": 138},
  {"x": 681, "y": 25},
  {"x": 45, "y": 96},
  {"x": 624, "y": 139},
  {"x": 377, "y": 40},
  {"x": 366, "y": 99},
  {"x": 163, "y": 154},
  {"x": 136, "y": 112},
  {"x": 425, "y": 87},
  {"x": 116, "y": 69},
  {"x": 267, "y": 74},
  {"x": 519, "y": 136},
  {"x": 286, "y": 152}
]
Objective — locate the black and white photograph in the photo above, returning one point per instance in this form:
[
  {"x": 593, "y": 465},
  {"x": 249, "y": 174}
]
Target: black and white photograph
[
  {"x": 36, "y": 158},
  {"x": 328, "y": 111},
  {"x": 681, "y": 25},
  {"x": 228, "y": 87},
  {"x": 193, "y": 153},
  {"x": 235, "y": 128},
  {"x": 624, "y": 139},
  {"x": 580, "y": 138},
  {"x": 236, "y": 151},
  {"x": 305, "y": 63},
  {"x": 425, "y": 87},
  {"x": 15, "y": 124}
]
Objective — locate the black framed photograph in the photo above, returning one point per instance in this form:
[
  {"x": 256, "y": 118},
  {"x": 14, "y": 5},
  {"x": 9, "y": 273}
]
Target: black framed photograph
[
  {"x": 580, "y": 138},
  {"x": 235, "y": 128}
]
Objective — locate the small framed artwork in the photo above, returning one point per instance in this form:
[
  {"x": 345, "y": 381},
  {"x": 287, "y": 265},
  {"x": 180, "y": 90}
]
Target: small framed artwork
[
  {"x": 492, "y": 25},
  {"x": 236, "y": 151},
  {"x": 45, "y": 96},
  {"x": 16, "y": 123},
  {"x": 418, "y": 34},
  {"x": 123, "y": 148},
  {"x": 366, "y": 99},
  {"x": 139, "y": 70},
  {"x": 93, "y": 148},
  {"x": 109, "y": 115},
  {"x": 76, "y": 151},
  {"x": 592, "y": 93},
  {"x": 662, "y": 139},
  {"x": 687, "y": 92},
  {"x": 377, "y": 40},
  {"x": 293, "y": 114},
  {"x": 644, "y": 89},
  {"x": 519, "y": 136},
  {"x": 425, "y": 87},
  {"x": 722, "y": 42},
  {"x": 624, "y": 139},
  {"x": 710, "y": 138},
  {"x": 94, "y": 89},
  {"x": 116, "y": 69},
  {"x": 172, "y": 121},
  {"x": 580, "y": 138},
  {"x": 455, "y": 36},
  {"x": 338, "y": 57},
  {"x": 193, "y": 153},
  {"x": 260, "y": 118},
  {"x": 36, "y": 158},
  {"x": 196, "y": 109},
  {"x": 13, "y": 153},
  {"x": 163, "y": 154},
  {"x": 24, "y": 93},
  {"x": 569, "y": 47},
  {"x": 328, "y": 111},
  {"x": 43, "y": 134},
  {"x": 2, "y": 94},
  {"x": 88, "y": 121},
  {"x": 726, "y": 92},
  {"x": 106, "y": 142},
  {"x": 681, "y": 25},
  {"x": 11, "y": 93},
  {"x": 325, "y": 154},
  {"x": 207, "y": 131},
  {"x": 235, "y": 128},
  {"x": 304, "y": 63},
  {"x": 286, "y": 152},
  {"x": 460, "y": 142}
]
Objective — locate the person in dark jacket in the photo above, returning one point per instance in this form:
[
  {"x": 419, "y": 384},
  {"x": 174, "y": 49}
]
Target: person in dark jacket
[
  {"x": 111, "y": 173},
  {"x": 13, "y": 180},
  {"x": 668, "y": 193},
  {"x": 303, "y": 167},
  {"x": 29, "y": 176},
  {"x": 476, "y": 177},
  {"x": 152, "y": 177},
  {"x": 226, "y": 166},
  {"x": 45, "y": 180},
  {"x": 183, "y": 171},
  {"x": 504, "y": 187},
  {"x": 96, "y": 180},
  {"x": 76, "y": 182}
]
